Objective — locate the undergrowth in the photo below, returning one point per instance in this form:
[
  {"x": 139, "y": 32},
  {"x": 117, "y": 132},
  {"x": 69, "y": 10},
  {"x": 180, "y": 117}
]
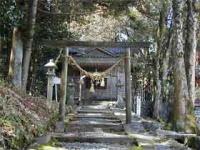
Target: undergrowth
[{"x": 22, "y": 118}]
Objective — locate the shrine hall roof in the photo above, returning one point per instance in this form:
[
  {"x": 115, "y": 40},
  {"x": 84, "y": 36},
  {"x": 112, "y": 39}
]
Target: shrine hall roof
[{"x": 97, "y": 52}]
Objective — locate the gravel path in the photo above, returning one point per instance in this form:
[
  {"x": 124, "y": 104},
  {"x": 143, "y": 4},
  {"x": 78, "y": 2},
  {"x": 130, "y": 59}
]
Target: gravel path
[{"x": 93, "y": 146}]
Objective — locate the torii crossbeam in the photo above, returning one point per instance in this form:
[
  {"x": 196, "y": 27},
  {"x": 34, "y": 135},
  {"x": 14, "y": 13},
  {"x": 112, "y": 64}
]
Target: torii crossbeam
[{"x": 96, "y": 44}]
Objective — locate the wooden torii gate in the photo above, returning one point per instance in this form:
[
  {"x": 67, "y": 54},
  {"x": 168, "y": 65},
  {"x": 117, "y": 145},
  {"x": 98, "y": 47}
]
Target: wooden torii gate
[{"x": 94, "y": 44}]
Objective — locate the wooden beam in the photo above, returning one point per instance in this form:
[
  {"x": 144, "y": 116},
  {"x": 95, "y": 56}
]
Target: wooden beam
[
  {"x": 95, "y": 44},
  {"x": 63, "y": 88},
  {"x": 93, "y": 60},
  {"x": 128, "y": 92}
]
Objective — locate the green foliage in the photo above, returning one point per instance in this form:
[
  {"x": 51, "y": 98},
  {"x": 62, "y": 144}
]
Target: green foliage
[
  {"x": 134, "y": 14},
  {"x": 21, "y": 131},
  {"x": 2, "y": 82},
  {"x": 10, "y": 14},
  {"x": 137, "y": 148},
  {"x": 16, "y": 131},
  {"x": 51, "y": 27},
  {"x": 191, "y": 124},
  {"x": 52, "y": 144},
  {"x": 168, "y": 126},
  {"x": 18, "y": 125}
]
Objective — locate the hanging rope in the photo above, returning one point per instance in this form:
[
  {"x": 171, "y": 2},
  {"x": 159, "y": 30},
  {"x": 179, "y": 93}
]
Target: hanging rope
[
  {"x": 93, "y": 75},
  {"x": 59, "y": 56}
]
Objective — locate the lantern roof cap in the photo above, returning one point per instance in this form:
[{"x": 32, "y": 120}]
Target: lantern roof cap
[{"x": 50, "y": 64}]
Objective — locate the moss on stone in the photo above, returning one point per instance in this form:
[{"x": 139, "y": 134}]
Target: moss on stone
[
  {"x": 53, "y": 144},
  {"x": 168, "y": 126},
  {"x": 191, "y": 125},
  {"x": 137, "y": 148}
]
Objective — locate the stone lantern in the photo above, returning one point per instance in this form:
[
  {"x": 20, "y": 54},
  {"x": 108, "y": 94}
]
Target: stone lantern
[
  {"x": 51, "y": 66},
  {"x": 119, "y": 84},
  {"x": 120, "y": 102},
  {"x": 71, "y": 91}
]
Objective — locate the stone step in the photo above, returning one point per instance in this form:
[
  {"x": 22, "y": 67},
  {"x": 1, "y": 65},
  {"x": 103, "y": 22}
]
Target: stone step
[
  {"x": 103, "y": 125},
  {"x": 173, "y": 134},
  {"x": 105, "y": 111},
  {"x": 135, "y": 127},
  {"x": 114, "y": 120},
  {"x": 93, "y": 122},
  {"x": 93, "y": 137},
  {"x": 93, "y": 146},
  {"x": 161, "y": 146},
  {"x": 74, "y": 128},
  {"x": 96, "y": 115},
  {"x": 170, "y": 145},
  {"x": 98, "y": 130},
  {"x": 145, "y": 138},
  {"x": 148, "y": 146},
  {"x": 78, "y": 129},
  {"x": 93, "y": 107}
]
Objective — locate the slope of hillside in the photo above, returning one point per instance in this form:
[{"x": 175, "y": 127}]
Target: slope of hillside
[{"x": 22, "y": 118}]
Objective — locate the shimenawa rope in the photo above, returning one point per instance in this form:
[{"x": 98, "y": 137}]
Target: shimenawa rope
[{"x": 93, "y": 75}]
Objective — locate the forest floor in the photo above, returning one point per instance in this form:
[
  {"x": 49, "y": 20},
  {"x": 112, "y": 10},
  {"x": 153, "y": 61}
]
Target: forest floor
[
  {"x": 100, "y": 126},
  {"x": 22, "y": 118}
]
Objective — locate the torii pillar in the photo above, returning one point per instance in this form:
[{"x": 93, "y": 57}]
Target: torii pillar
[
  {"x": 63, "y": 86},
  {"x": 128, "y": 92}
]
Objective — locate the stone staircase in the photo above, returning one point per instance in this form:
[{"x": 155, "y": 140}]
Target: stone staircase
[
  {"x": 97, "y": 127},
  {"x": 94, "y": 128}
]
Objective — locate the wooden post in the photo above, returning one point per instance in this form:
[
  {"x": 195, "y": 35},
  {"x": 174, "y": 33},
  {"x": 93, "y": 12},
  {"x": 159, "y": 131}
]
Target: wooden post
[
  {"x": 80, "y": 92},
  {"x": 128, "y": 85},
  {"x": 56, "y": 92},
  {"x": 138, "y": 105},
  {"x": 63, "y": 86},
  {"x": 50, "y": 87},
  {"x": 80, "y": 88}
]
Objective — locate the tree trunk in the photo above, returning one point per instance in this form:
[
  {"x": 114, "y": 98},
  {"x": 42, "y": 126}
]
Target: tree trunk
[
  {"x": 29, "y": 41},
  {"x": 160, "y": 38},
  {"x": 180, "y": 83},
  {"x": 157, "y": 104},
  {"x": 63, "y": 92},
  {"x": 165, "y": 67},
  {"x": 190, "y": 49},
  {"x": 190, "y": 59},
  {"x": 15, "y": 67},
  {"x": 1, "y": 45},
  {"x": 33, "y": 71}
]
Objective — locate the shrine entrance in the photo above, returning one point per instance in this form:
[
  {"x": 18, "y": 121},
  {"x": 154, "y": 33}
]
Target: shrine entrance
[{"x": 127, "y": 48}]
